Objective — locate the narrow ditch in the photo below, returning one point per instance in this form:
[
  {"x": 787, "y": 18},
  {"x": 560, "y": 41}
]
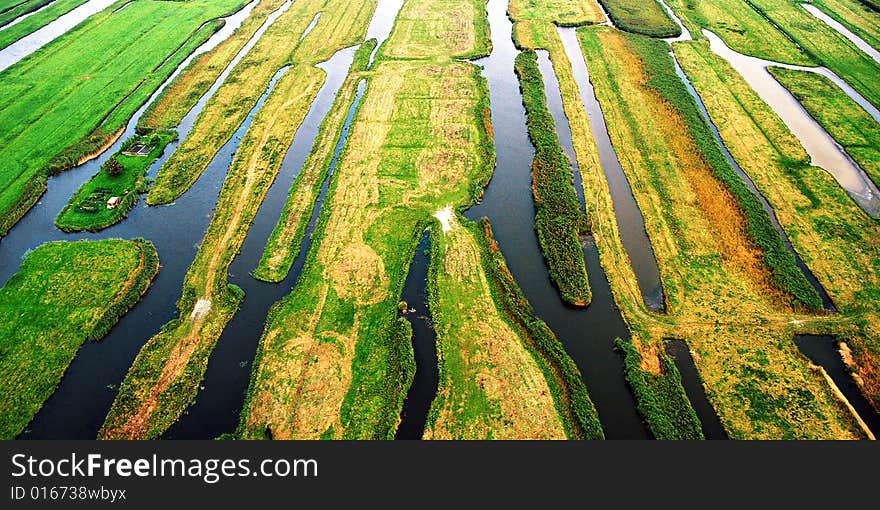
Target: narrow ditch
[
  {"x": 822, "y": 351},
  {"x": 631, "y": 223},
  {"x": 424, "y": 343},
  {"x": 693, "y": 388}
]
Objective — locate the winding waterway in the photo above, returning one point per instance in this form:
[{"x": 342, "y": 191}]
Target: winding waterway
[
  {"x": 631, "y": 223},
  {"x": 842, "y": 30},
  {"x": 823, "y": 150},
  {"x": 218, "y": 404},
  {"x": 78, "y": 406},
  {"x": 587, "y": 334},
  {"x": 39, "y": 38}
]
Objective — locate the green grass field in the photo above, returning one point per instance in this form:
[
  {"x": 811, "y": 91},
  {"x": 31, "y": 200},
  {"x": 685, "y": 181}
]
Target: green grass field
[
  {"x": 65, "y": 101},
  {"x": 853, "y": 128},
  {"x": 87, "y": 209},
  {"x": 646, "y": 17},
  {"x": 63, "y": 295}
]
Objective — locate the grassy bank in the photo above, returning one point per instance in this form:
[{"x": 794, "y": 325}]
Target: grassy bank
[
  {"x": 659, "y": 395},
  {"x": 824, "y": 45},
  {"x": 740, "y": 27},
  {"x": 63, "y": 295},
  {"x": 229, "y": 106},
  {"x": 786, "y": 276},
  {"x": 66, "y": 101},
  {"x": 645, "y": 17},
  {"x": 562, "y": 375},
  {"x": 722, "y": 298},
  {"x": 35, "y": 21},
  {"x": 853, "y": 128},
  {"x": 329, "y": 363},
  {"x": 165, "y": 377},
  {"x": 87, "y": 208},
  {"x": 285, "y": 241},
  {"x": 491, "y": 385},
  {"x": 182, "y": 94},
  {"x": 833, "y": 236},
  {"x": 558, "y": 218},
  {"x": 566, "y": 13}
]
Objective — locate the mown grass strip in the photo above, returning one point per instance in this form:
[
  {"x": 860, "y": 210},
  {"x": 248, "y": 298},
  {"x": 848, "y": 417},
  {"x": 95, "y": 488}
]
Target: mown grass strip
[
  {"x": 182, "y": 94},
  {"x": 285, "y": 241},
  {"x": 565, "y": 13},
  {"x": 88, "y": 208},
  {"x": 840, "y": 116},
  {"x": 64, "y": 294},
  {"x": 565, "y": 380},
  {"x": 64, "y": 103},
  {"x": 660, "y": 397},
  {"x": 662, "y": 78},
  {"x": 558, "y": 218},
  {"x": 646, "y": 17}
]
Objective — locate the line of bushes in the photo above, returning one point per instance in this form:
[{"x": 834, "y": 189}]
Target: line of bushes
[
  {"x": 558, "y": 217},
  {"x": 139, "y": 285},
  {"x": 573, "y": 403},
  {"x": 646, "y": 17},
  {"x": 660, "y": 399},
  {"x": 781, "y": 262}
]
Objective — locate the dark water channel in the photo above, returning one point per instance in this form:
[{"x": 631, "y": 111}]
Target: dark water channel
[
  {"x": 219, "y": 402},
  {"x": 822, "y": 351},
  {"x": 424, "y": 343},
  {"x": 630, "y": 222},
  {"x": 587, "y": 335},
  {"x": 693, "y": 388}
]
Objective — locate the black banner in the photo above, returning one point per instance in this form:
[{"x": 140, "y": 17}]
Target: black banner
[{"x": 228, "y": 474}]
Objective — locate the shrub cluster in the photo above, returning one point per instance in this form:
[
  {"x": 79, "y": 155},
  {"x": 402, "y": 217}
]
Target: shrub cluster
[
  {"x": 660, "y": 399},
  {"x": 558, "y": 217}
]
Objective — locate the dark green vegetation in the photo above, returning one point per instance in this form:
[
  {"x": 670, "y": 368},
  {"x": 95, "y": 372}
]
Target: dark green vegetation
[
  {"x": 645, "y": 17},
  {"x": 558, "y": 218},
  {"x": 34, "y": 22},
  {"x": 871, "y": 4},
  {"x": 661, "y": 399},
  {"x": 65, "y": 102},
  {"x": 87, "y": 208},
  {"x": 563, "y": 377},
  {"x": 64, "y": 294},
  {"x": 842, "y": 118},
  {"x": 662, "y": 78}
]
